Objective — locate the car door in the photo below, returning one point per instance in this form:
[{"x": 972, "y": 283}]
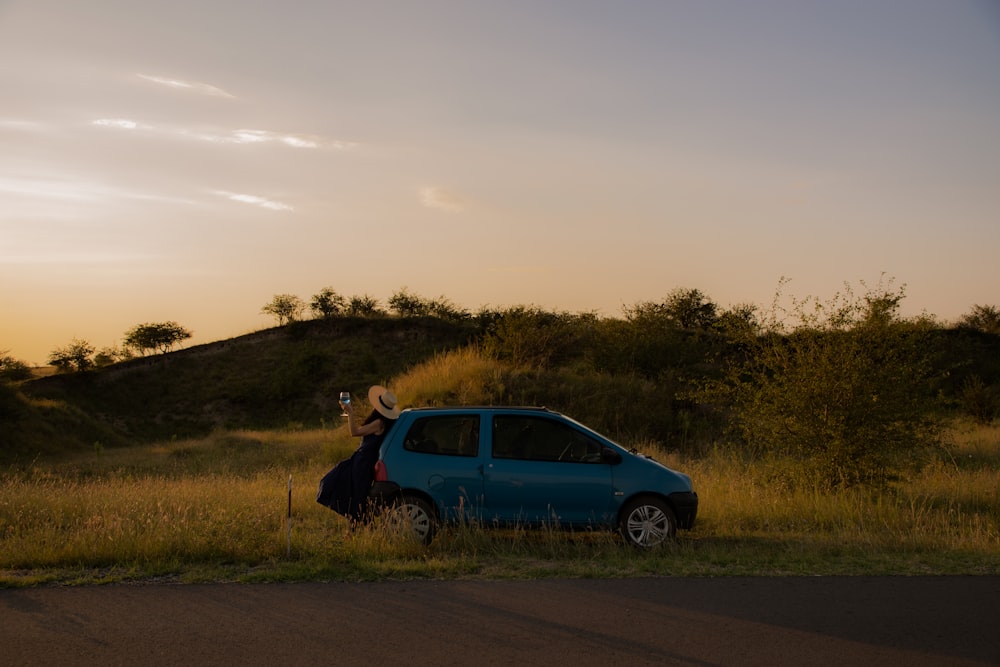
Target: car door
[
  {"x": 442, "y": 455},
  {"x": 542, "y": 469}
]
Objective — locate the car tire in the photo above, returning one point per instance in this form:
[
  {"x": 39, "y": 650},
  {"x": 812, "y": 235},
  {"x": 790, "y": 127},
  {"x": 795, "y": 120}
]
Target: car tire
[
  {"x": 647, "y": 522},
  {"x": 414, "y": 514}
]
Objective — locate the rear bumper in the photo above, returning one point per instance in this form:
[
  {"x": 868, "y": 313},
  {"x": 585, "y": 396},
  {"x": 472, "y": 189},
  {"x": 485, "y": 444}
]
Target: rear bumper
[
  {"x": 384, "y": 492},
  {"x": 685, "y": 506}
]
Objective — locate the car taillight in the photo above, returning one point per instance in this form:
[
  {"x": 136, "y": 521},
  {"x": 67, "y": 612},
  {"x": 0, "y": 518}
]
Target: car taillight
[{"x": 381, "y": 474}]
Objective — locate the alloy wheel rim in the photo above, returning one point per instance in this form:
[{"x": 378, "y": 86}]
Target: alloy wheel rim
[
  {"x": 648, "y": 526},
  {"x": 416, "y": 519}
]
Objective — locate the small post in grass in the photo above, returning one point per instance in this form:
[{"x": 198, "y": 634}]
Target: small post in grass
[{"x": 289, "y": 539}]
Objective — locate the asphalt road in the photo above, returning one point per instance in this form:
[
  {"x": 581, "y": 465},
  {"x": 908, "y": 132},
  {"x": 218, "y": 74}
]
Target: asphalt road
[{"x": 910, "y": 621}]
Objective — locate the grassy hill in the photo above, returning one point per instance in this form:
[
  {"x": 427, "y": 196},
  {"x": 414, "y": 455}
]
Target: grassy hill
[
  {"x": 626, "y": 379},
  {"x": 285, "y": 376}
]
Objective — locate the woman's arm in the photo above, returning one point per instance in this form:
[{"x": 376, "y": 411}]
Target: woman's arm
[{"x": 370, "y": 428}]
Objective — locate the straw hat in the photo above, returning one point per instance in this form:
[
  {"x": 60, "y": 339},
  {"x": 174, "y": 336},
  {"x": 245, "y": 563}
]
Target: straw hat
[{"x": 384, "y": 401}]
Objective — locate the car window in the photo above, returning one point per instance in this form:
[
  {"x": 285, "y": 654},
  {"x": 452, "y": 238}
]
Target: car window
[
  {"x": 541, "y": 439},
  {"x": 454, "y": 435}
]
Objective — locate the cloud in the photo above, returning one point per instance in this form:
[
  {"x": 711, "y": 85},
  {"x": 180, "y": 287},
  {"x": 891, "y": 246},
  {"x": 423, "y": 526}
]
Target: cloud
[
  {"x": 441, "y": 198},
  {"x": 244, "y": 136},
  {"x": 240, "y": 136},
  {"x": 254, "y": 200},
  {"x": 120, "y": 123},
  {"x": 192, "y": 86},
  {"x": 75, "y": 190},
  {"x": 18, "y": 125},
  {"x": 50, "y": 189}
]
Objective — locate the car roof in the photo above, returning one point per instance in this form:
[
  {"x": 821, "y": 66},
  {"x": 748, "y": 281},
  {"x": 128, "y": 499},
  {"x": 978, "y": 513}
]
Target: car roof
[{"x": 480, "y": 408}]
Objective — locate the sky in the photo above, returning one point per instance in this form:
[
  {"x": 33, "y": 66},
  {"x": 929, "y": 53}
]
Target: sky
[{"x": 189, "y": 160}]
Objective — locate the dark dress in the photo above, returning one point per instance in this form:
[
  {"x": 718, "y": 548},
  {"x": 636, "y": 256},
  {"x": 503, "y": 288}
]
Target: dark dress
[{"x": 345, "y": 488}]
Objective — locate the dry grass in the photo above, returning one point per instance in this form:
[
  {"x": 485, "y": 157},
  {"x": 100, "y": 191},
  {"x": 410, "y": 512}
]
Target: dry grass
[
  {"x": 216, "y": 508},
  {"x": 460, "y": 377}
]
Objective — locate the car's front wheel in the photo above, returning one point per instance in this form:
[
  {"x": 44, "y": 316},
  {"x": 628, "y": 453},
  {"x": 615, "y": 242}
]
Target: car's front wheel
[
  {"x": 647, "y": 522},
  {"x": 413, "y": 514}
]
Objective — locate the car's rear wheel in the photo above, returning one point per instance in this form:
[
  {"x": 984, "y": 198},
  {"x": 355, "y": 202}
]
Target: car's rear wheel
[
  {"x": 647, "y": 522},
  {"x": 414, "y": 515}
]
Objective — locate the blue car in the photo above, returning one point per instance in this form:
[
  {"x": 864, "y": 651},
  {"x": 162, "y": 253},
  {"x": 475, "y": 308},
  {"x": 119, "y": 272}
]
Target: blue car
[{"x": 525, "y": 467}]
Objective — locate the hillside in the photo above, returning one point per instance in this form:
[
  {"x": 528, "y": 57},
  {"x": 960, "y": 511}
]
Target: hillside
[
  {"x": 279, "y": 377},
  {"x": 289, "y": 377}
]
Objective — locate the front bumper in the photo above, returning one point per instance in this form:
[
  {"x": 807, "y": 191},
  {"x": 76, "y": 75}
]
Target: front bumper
[{"x": 685, "y": 506}]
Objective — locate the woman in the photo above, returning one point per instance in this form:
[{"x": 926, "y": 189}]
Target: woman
[{"x": 345, "y": 488}]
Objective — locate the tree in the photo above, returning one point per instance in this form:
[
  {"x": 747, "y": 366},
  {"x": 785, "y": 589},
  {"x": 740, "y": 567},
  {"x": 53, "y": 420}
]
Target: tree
[
  {"x": 408, "y": 305},
  {"x": 78, "y": 355},
  {"x": 683, "y": 309},
  {"x": 12, "y": 369},
  {"x": 327, "y": 304},
  {"x": 286, "y": 307},
  {"x": 111, "y": 355},
  {"x": 845, "y": 394},
  {"x": 152, "y": 337},
  {"x": 661, "y": 339},
  {"x": 690, "y": 309},
  {"x": 364, "y": 306},
  {"x": 982, "y": 318},
  {"x": 446, "y": 310},
  {"x": 737, "y": 321}
]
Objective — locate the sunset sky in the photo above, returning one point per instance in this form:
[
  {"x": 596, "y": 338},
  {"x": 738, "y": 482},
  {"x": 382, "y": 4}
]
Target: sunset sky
[{"x": 187, "y": 160}]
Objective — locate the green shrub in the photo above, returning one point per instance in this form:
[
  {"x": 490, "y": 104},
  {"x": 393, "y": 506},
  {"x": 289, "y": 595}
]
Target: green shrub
[
  {"x": 978, "y": 400},
  {"x": 532, "y": 337},
  {"x": 846, "y": 394}
]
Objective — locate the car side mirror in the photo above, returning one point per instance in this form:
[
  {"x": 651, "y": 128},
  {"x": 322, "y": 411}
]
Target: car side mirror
[{"x": 610, "y": 456}]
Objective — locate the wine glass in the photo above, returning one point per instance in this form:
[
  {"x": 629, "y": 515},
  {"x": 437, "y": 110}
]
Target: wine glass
[{"x": 345, "y": 398}]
